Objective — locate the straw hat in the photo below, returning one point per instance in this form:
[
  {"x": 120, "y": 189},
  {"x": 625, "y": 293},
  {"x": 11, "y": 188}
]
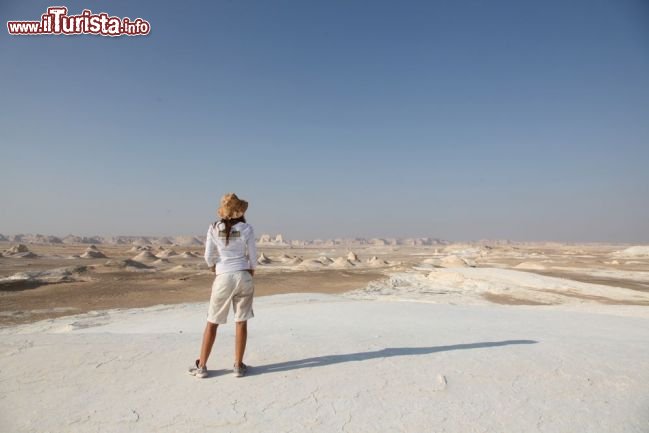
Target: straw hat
[{"x": 232, "y": 206}]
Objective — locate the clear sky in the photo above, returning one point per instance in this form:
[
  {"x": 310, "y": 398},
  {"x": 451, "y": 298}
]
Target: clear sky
[{"x": 526, "y": 120}]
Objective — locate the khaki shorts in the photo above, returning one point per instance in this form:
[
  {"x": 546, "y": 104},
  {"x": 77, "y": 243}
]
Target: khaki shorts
[{"x": 234, "y": 288}]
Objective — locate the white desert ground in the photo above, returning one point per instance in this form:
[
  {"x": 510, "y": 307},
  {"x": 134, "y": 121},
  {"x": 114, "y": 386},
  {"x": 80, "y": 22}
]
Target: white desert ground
[{"x": 349, "y": 336}]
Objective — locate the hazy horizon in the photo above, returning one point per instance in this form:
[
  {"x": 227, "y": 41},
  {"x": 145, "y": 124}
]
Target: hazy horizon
[
  {"x": 291, "y": 238},
  {"x": 454, "y": 120}
]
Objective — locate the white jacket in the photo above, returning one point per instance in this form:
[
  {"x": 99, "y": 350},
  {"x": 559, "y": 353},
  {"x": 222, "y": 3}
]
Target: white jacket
[{"x": 239, "y": 254}]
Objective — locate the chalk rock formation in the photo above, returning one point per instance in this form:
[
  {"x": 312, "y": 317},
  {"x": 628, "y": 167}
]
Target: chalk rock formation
[
  {"x": 145, "y": 256},
  {"x": 263, "y": 259},
  {"x": 352, "y": 257},
  {"x": 92, "y": 253}
]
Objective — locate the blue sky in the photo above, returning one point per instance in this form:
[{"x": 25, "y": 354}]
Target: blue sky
[{"x": 455, "y": 119}]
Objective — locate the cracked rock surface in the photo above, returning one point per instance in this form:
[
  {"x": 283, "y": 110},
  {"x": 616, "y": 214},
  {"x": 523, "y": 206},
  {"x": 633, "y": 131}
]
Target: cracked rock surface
[{"x": 325, "y": 363}]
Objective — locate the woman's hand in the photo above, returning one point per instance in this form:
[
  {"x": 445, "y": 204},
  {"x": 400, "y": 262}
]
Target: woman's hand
[
  {"x": 252, "y": 272},
  {"x": 213, "y": 269}
]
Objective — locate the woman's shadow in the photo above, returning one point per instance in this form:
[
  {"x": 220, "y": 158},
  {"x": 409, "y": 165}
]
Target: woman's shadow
[{"x": 321, "y": 361}]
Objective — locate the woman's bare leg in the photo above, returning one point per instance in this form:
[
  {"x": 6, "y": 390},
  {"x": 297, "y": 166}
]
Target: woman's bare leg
[
  {"x": 209, "y": 335},
  {"x": 240, "y": 342}
]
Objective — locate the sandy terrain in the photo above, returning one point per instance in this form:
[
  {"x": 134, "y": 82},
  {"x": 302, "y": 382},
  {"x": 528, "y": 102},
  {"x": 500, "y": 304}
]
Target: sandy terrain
[
  {"x": 124, "y": 290},
  {"x": 451, "y": 338},
  {"x": 45, "y": 281},
  {"x": 94, "y": 285}
]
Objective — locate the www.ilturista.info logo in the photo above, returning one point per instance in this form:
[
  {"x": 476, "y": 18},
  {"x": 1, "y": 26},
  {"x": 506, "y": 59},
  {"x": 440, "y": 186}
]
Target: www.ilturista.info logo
[{"x": 56, "y": 22}]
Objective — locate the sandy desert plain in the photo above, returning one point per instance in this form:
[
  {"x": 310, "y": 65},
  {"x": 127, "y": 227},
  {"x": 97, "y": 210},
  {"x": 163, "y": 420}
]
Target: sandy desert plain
[{"x": 350, "y": 336}]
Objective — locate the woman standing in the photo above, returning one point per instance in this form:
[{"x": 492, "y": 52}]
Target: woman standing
[{"x": 231, "y": 254}]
